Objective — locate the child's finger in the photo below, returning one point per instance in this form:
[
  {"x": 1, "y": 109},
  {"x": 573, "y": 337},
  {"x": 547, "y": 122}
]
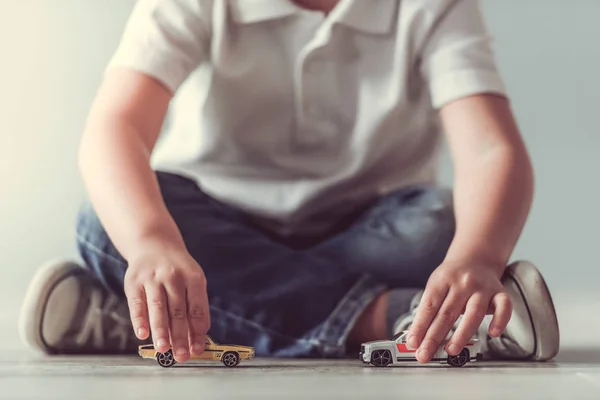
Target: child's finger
[
  {"x": 442, "y": 323},
  {"x": 138, "y": 312},
  {"x": 198, "y": 313},
  {"x": 431, "y": 301},
  {"x": 159, "y": 317},
  {"x": 502, "y": 313},
  {"x": 475, "y": 312},
  {"x": 178, "y": 324}
]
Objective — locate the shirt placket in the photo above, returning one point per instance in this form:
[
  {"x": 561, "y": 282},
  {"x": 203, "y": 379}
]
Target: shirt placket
[{"x": 314, "y": 86}]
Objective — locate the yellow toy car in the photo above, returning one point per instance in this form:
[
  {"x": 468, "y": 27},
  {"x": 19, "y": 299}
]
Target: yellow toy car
[{"x": 229, "y": 355}]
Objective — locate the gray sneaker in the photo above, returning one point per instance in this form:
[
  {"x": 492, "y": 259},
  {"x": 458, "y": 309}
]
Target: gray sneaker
[
  {"x": 532, "y": 333},
  {"x": 67, "y": 311}
]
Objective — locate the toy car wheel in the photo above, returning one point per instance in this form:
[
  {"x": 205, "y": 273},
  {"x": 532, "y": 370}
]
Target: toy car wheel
[
  {"x": 230, "y": 359},
  {"x": 165, "y": 360},
  {"x": 381, "y": 358},
  {"x": 459, "y": 360}
]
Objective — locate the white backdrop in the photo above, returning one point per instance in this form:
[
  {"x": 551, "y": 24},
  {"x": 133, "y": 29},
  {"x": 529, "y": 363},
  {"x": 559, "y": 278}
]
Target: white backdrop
[{"x": 52, "y": 55}]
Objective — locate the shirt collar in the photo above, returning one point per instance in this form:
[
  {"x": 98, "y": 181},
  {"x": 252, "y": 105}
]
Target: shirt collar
[
  {"x": 252, "y": 11},
  {"x": 370, "y": 16}
]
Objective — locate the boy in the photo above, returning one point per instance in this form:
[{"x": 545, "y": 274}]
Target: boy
[{"x": 292, "y": 205}]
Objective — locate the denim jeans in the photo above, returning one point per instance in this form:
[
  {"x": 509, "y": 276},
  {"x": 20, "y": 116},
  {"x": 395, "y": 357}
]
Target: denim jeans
[{"x": 288, "y": 297}]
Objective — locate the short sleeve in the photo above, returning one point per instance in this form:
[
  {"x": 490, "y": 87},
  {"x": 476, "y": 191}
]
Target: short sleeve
[
  {"x": 165, "y": 39},
  {"x": 458, "y": 58}
]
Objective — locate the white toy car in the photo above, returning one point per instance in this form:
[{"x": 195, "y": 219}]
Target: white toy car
[{"x": 382, "y": 353}]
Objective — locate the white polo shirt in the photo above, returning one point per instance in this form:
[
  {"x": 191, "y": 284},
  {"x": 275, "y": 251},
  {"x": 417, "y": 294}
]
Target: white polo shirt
[{"x": 297, "y": 117}]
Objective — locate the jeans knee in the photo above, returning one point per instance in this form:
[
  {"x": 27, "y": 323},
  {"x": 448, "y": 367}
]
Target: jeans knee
[
  {"x": 431, "y": 198},
  {"x": 97, "y": 250},
  {"x": 405, "y": 237},
  {"x": 416, "y": 213},
  {"x": 90, "y": 231},
  {"x": 420, "y": 213}
]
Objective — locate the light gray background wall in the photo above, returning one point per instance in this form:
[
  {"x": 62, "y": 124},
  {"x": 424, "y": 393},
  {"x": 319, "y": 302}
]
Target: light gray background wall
[{"x": 52, "y": 55}]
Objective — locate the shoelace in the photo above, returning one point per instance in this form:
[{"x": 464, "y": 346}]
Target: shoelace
[{"x": 95, "y": 318}]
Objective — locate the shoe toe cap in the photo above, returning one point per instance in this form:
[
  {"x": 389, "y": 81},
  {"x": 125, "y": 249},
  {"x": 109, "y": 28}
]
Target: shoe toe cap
[{"x": 60, "y": 310}]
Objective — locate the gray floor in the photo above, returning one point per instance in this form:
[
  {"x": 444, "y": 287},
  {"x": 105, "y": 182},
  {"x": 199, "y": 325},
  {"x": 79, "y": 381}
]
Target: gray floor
[{"x": 575, "y": 374}]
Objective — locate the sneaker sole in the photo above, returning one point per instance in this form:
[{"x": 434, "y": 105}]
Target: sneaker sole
[
  {"x": 541, "y": 309},
  {"x": 32, "y": 312}
]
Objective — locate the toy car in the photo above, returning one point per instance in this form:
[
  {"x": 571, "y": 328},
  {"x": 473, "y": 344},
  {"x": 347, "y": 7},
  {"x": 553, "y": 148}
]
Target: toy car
[
  {"x": 385, "y": 352},
  {"x": 229, "y": 355}
]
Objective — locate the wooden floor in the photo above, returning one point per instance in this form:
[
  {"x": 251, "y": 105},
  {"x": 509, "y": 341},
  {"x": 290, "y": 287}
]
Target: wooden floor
[{"x": 574, "y": 375}]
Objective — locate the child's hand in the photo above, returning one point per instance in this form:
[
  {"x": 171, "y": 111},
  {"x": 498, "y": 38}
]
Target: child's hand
[
  {"x": 166, "y": 293},
  {"x": 458, "y": 288}
]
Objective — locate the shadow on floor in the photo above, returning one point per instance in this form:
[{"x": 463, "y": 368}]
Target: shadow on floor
[
  {"x": 583, "y": 355},
  {"x": 318, "y": 365}
]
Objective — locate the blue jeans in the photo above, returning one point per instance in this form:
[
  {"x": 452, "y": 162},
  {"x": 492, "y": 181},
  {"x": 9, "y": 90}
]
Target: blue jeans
[{"x": 292, "y": 297}]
